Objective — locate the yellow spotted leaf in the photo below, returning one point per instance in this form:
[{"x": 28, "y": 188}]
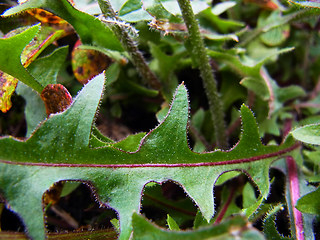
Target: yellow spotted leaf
[
  {"x": 44, "y": 38},
  {"x": 46, "y": 17},
  {"x": 56, "y": 98},
  {"x": 7, "y": 86},
  {"x": 87, "y": 63}
]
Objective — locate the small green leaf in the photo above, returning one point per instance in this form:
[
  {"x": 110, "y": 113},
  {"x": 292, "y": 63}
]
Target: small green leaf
[
  {"x": 46, "y": 69},
  {"x": 172, "y": 223},
  {"x": 117, "y": 4},
  {"x": 310, "y": 202},
  {"x": 156, "y": 9},
  {"x": 223, "y": 25},
  {"x": 130, "y": 143},
  {"x": 69, "y": 187},
  {"x": 287, "y": 93},
  {"x": 245, "y": 66},
  {"x": 220, "y": 37},
  {"x": 115, "y": 55},
  {"x": 275, "y": 36},
  {"x": 115, "y": 223},
  {"x": 173, "y": 7},
  {"x": 249, "y": 196},
  {"x": 10, "y": 62},
  {"x": 112, "y": 73},
  {"x": 132, "y": 11},
  {"x": 35, "y": 111},
  {"x": 130, "y": 6},
  {"x": 269, "y": 227},
  {"x": 308, "y": 134},
  {"x": 227, "y": 176},
  {"x": 95, "y": 131},
  {"x": 270, "y": 126},
  {"x": 257, "y": 86},
  {"x": 165, "y": 66},
  {"x": 285, "y": 19},
  {"x": 222, "y": 7},
  {"x": 199, "y": 221}
]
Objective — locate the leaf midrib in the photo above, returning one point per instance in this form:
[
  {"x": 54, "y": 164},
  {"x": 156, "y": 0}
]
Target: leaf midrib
[{"x": 166, "y": 165}]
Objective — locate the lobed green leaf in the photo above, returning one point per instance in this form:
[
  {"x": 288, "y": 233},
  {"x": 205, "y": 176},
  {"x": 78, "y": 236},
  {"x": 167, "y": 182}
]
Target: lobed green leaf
[{"x": 118, "y": 176}]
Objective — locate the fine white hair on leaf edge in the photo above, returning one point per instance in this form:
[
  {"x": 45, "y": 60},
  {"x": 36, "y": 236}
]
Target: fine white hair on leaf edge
[{"x": 132, "y": 31}]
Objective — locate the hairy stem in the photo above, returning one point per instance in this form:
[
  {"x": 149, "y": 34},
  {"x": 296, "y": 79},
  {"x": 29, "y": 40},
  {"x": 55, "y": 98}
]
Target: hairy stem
[
  {"x": 130, "y": 46},
  {"x": 207, "y": 75}
]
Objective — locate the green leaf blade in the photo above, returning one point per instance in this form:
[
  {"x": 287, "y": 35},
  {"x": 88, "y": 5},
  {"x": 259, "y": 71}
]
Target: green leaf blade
[
  {"x": 308, "y": 134},
  {"x": 83, "y": 23},
  {"x": 118, "y": 176},
  {"x": 10, "y": 62},
  {"x": 309, "y": 203},
  {"x": 144, "y": 230}
]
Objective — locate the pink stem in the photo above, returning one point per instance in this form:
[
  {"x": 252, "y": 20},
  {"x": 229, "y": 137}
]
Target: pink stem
[
  {"x": 226, "y": 205},
  {"x": 266, "y": 78},
  {"x": 295, "y": 195},
  {"x": 287, "y": 128}
]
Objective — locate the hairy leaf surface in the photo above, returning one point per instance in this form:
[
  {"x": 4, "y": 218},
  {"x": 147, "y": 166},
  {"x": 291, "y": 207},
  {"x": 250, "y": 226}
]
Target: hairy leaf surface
[{"x": 30, "y": 167}]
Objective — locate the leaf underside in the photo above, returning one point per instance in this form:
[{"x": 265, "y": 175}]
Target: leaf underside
[{"x": 118, "y": 177}]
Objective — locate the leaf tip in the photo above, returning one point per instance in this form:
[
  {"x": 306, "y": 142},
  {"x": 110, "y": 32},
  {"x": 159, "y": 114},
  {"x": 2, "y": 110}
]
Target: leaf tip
[
  {"x": 244, "y": 107},
  {"x": 250, "y": 132},
  {"x": 245, "y": 111},
  {"x": 15, "y": 10}
]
